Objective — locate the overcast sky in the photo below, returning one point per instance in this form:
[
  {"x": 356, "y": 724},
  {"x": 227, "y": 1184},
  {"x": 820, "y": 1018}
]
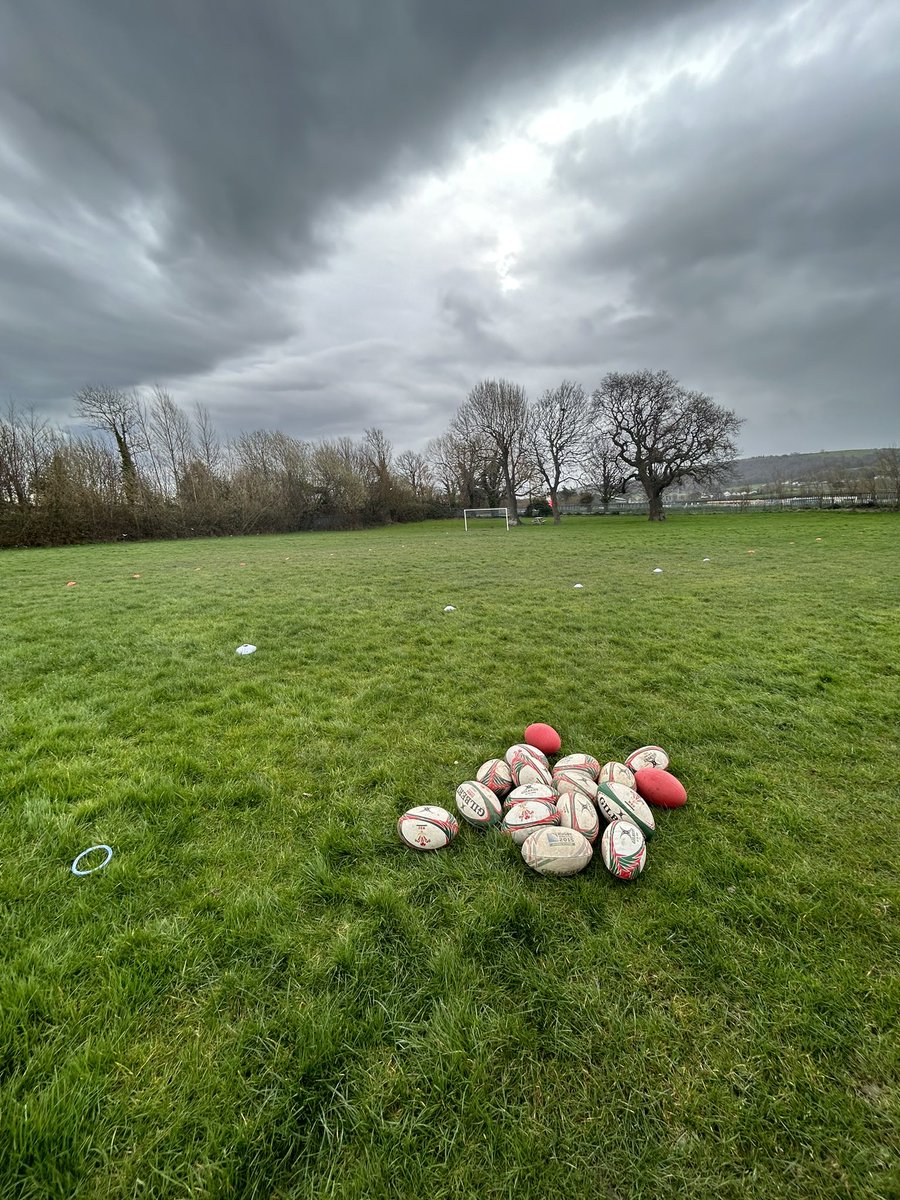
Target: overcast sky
[{"x": 326, "y": 215}]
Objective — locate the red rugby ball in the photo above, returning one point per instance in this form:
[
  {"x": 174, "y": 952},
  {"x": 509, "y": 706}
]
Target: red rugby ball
[
  {"x": 660, "y": 788},
  {"x": 544, "y": 737}
]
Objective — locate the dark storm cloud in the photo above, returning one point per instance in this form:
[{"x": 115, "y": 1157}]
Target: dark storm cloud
[
  {"x": 164, "y": 162},
  {"x": 757, "y": 218},
  {"x": 65, "y": 320},
  {"x": 244, "y": 119}
]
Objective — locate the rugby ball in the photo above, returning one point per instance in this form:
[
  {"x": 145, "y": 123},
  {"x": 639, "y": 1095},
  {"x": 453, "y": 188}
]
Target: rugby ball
[
  {"x": 527, "y": 816},
  {"x": 577, "y": 812},
  {"x": 496, "y": 775},
  {"x": 623, "y": 849},
  {"x": 539, "y": 754},
  {"x": 616, "y": 772},
  {"x": 478, "y": 804},
  {"x": 526, "y": 766},
  {"x": 529, "y": 791},
  {"x": 579, "y": 762},
  {"x": 575, "y": 781},
  {"x": 427, "y": 827},
  {"x": 557, "y": 851},
  {"x": 618, "y": 802},
  {"x": 647, "y": 756},
  {"x": 660, "y": 788},
  {"x": 543, "y": 737}
]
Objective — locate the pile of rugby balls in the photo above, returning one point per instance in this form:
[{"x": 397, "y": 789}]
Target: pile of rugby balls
[{"x": 556, "y": 814}]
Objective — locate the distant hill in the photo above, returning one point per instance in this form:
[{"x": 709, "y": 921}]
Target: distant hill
[{"x": 832, "y": 466}]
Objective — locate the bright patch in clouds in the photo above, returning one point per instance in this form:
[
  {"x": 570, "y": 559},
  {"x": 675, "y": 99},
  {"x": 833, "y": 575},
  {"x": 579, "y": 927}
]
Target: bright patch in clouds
[{"x": 503, "y": 259}]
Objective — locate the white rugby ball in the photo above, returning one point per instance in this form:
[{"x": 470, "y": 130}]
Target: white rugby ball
[
  {"x": 527, "y": 816},
  {"x": 538, "y": 754},
  {"x": 623, "y": 849},
  {"x": 616, "y": 772},
  {"x": 647, "y": 756},
  {"x": 496, "y": 775},
  {"x": 527, "y": 766},
  {"x": 617, "y": 802},
  {"x": 575, "y": 781},
  {"x": 557, "y": 851},
  {"x": 427, "y": 827},
  {"x": 529, "y": 791},
  {"x": 577, "y": 812},
  {"x": 478, "y": 804},
  {"x": 579, "y": 762}
]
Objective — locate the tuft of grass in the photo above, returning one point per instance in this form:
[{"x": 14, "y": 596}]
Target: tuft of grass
[{"x": 265, "y": 995}]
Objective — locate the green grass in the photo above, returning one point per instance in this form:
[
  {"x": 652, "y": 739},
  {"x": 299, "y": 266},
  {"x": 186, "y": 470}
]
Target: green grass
[{"x": 266, "y": 995}]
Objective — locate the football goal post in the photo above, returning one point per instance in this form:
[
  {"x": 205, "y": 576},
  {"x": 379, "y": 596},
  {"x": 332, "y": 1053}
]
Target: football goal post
[{"x": 480, "y": 514}]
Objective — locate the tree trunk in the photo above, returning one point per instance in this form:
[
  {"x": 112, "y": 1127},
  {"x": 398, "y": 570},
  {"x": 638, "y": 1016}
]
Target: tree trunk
[
  {"x": 656, "y": 505},
  {"x": 512, "y": 508},
  {"x": 129, "y": 471},
  {"x": 554, "y": 504}
]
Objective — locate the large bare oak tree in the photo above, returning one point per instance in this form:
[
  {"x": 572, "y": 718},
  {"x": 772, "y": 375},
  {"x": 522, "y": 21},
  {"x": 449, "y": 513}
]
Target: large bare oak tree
[{"x": 663, "y": 432}]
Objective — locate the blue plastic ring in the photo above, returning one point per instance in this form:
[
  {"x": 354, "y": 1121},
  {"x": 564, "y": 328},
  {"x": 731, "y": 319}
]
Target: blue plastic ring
[{"x": 90, "y": 850}]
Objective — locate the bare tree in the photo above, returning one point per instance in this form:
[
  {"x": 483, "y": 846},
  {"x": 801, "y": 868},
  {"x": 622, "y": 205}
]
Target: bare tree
[
  {"x": 202, "y": 496},
  {"x": 203, "y": 482},
  {"x": 457, "y": 458},
  {"x": 558, "y": 424},
  {"x": 497, "y": 410},
  {"x": 209, "y": 446},
  {"x": 604, "y": 471},
  {"x": 26, "y": 445},
  {"x": 170, "y": 432},
  {"x": 79, "y": 493},
  {"x": 377, "y": 450},
  {"x": 663, "y": 432},
  {"x": 13, "y": 480},
  {"x": 148, "y": 462},
  {"x": 339, "y": 477},
  {"x": 117, "y": 413},
  {"x": 378, "y": 457},
  {"x": 440, "y": 460},
  {"x": 413, "y": 469},
  {"x": 271, "y": 485}
]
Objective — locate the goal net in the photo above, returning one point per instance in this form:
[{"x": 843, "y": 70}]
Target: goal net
[{"x": 490, "y": 516}]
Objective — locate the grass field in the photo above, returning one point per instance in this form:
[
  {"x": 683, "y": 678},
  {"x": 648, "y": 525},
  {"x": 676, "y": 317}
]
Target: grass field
[{"x": 265, "y": 995}]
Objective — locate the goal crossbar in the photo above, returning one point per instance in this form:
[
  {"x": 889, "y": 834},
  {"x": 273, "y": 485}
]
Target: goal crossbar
[{"x": 481, "y": 513}]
